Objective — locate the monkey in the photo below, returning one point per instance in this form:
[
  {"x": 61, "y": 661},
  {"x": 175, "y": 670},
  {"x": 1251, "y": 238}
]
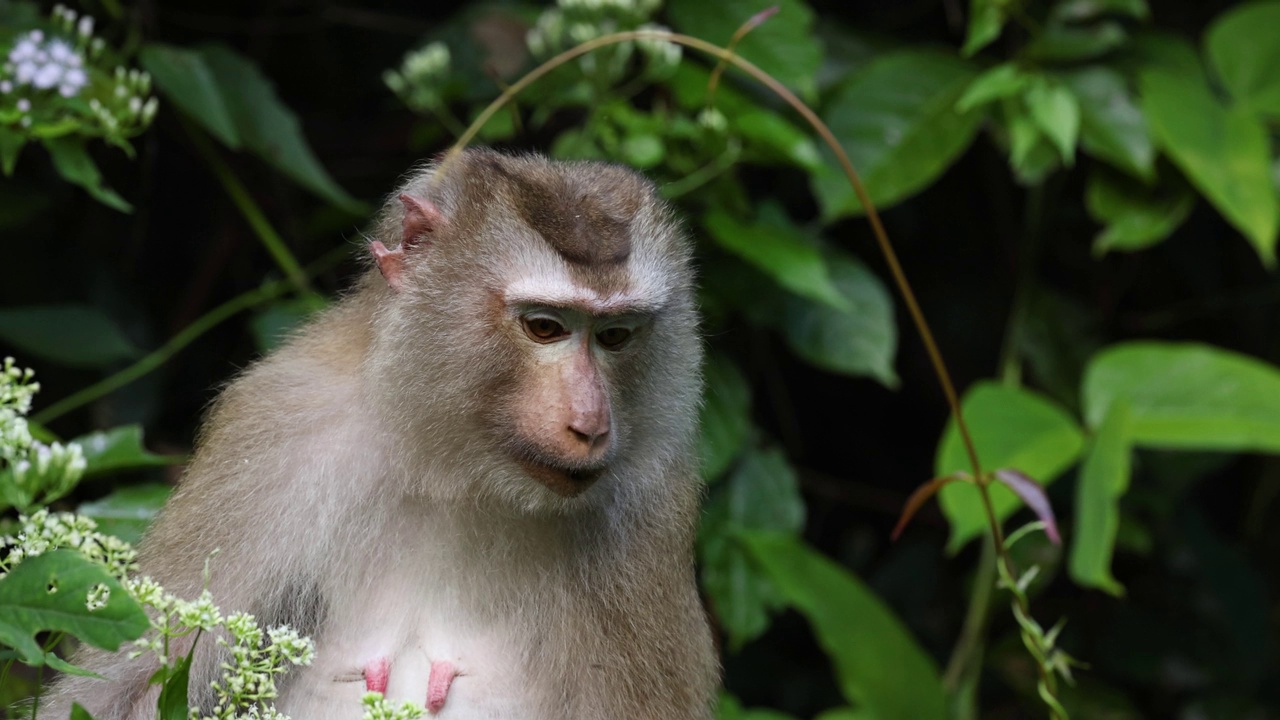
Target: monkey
[{"x": 473, "y": 479}]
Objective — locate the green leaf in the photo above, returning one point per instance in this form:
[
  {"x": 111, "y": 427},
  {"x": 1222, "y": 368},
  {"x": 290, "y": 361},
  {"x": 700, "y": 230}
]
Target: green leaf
[
  {"x": 859, "y": 340},
  {"x": 731, "y": 709},
  {"x": 186, "y": 80},
  {"x": 771, "y": 134},
  {"x": 780, "y": 249},
  {"x": 879, "y": 666},
  {"x": 986, "y": 21},
  {"x": 172, "y": 703},
  {"x": 1112, "y": 126},
  {"x": 1011, "y": 428},
  {"x": 267, "y": 127},
  {"x": 642, "y": 151},
  {"x": 11, "y": 143},
  {"x": 898, "y": 122},
  {"x": 273, "y": 325},
  {"x": 72, "y": 335},
  {"x": 761, "y": 494},
  {"x": 79, "y": 713},
  {"x": 1103, "y": 480},
  {"x": 1031, "y": 154},
  {"x": 27, "y": 606},
  {"x": 783, "y": 46},
  {"x": 63, "y": 666},
  {"x": 999, "y": 82},
  {"x": 1135, "y": 217},
  {"x": 1155, "y": 49},
  {"x": 1224, "y": 151},
  {"x": 1187, "y": 396},
  {"x": 1058, "y": 43},
  {"x": 726, "y": 417},
  {"x": 1244, "y": 50},
  {"x": 1081, "y": 10},
  {"x": 72, "y": 161},
  {"x": 1054, "y": 110},
  {"x": 127, "y": 512},
  {"x": 121, "y": 448},
  {"x": 845, "y": 714}
]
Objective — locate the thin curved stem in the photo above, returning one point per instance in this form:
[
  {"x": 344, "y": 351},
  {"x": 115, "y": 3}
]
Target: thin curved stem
[
  {"x": 200, "y": 326},
  {"x": 873, "y": 217},
  {"x": 258, "y": 222},
  {"x": 162, "y": 354},
  {"x": 724, "y": 55}
]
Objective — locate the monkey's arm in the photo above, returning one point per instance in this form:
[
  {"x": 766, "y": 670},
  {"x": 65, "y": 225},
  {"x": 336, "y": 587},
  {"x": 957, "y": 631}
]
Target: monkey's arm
[{"x": 268, "y": 480}]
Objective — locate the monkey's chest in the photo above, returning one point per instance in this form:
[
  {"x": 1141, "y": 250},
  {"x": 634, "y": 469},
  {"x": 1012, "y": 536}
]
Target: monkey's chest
[
  {"x": 420, "y": 644},
  {"x": 446, "y": 645}
]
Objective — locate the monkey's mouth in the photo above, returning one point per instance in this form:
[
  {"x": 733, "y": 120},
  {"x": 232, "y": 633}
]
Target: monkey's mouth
[{"x": 562, "y": 480}]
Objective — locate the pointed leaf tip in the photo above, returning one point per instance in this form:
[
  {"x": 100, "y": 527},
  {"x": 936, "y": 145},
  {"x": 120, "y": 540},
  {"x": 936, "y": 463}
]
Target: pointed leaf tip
[
  {"x": 920, "y": 497},
  {"x": 1032, "y": 493},
  {"x": 757, "y": 19}
]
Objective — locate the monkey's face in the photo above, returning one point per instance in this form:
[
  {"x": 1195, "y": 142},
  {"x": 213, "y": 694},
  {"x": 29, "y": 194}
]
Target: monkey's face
[
  {"x": 546, "y": 312},
  {"x": 561, "y": 424}
]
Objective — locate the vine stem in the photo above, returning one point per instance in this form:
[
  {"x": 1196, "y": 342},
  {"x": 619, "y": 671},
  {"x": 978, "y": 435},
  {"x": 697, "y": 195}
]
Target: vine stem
[
  {"x": 162, "y": 354},
  {"x": 200, "y": 326},
  {"x": 873, "y": 217},
  {"x": 239, "y": 194},
  {"x": 725, "y": 55}
]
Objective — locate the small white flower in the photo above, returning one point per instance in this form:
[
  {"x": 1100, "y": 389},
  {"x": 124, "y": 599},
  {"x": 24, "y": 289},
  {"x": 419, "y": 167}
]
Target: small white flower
[
  {"x": 24, "y": 105},
  {"x": 59, "y": 51},
  {"x": 25, "y": 49},
  {"x": 6, "y": 86},
  {"x": 47, "y": 76},
  {"x": 85, "y": 28},
  {"x": 25, "y": 71},
  {"x": 712, "y": 119},
  {"x": 99, "y": 596}
]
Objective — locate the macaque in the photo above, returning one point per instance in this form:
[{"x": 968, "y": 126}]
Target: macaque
[{"x": 473, "y": 481}]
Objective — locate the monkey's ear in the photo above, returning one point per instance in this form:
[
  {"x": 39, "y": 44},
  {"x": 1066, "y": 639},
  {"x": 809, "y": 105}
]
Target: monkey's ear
[
  {"x": 421, "y": 218},
  {"x": 390, "y": 263}
]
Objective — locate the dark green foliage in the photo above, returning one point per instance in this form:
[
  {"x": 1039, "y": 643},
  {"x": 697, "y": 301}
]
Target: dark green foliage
[{"x": 1083, "y": 191}]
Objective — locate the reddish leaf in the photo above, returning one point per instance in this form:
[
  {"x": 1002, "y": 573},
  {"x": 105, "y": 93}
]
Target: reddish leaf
[
  {"x": 922, "y": 495},
  {"x": 757, "y": 19},
  {"x": 1032, "y": 493}
]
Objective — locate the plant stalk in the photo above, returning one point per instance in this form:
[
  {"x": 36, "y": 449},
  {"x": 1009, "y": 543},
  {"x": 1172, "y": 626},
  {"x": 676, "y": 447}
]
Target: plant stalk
[{"x": 982, "y": 480}]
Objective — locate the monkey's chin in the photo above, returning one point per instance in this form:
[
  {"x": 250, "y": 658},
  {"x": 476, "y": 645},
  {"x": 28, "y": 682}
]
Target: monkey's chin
[{"x": 563, "y": 481}]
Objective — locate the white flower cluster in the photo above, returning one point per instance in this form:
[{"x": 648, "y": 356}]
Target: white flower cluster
[
  {"x": 42, "y": 68},
  {"x": 31, "y": 472},
  {"x": 16, "y": 391},
  {"x": 249, "y": 678},
  {"x": 376, "y": 707},
  {"x": 713, "y": 120},
  {"x": 44, "y": 532},
  {"x": 99, "y": 596},
  {"x": 256, "y": 658},
  {"x": 420, "y": 76},
  {"x": 573, "y": 22},
  {"x": 127, "y": 107},
  {"x": 45, "y": 64}
]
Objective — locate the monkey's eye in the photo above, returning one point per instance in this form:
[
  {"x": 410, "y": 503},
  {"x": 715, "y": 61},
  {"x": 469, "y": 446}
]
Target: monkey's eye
[
  {"x": 543, "y": 329},
  {"x": 613, "y": 338}
]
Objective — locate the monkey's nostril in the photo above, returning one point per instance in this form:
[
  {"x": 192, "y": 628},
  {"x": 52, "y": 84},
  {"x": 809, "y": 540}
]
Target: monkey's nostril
[{"x": 588, "y": 436}]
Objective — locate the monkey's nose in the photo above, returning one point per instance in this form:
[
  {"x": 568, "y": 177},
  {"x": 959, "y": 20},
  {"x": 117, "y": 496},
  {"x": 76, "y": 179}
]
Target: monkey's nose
[{"x": 590, "y": 430}]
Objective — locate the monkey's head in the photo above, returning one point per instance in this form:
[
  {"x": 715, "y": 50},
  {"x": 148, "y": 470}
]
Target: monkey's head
[{"x": 538, "y": 318}]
